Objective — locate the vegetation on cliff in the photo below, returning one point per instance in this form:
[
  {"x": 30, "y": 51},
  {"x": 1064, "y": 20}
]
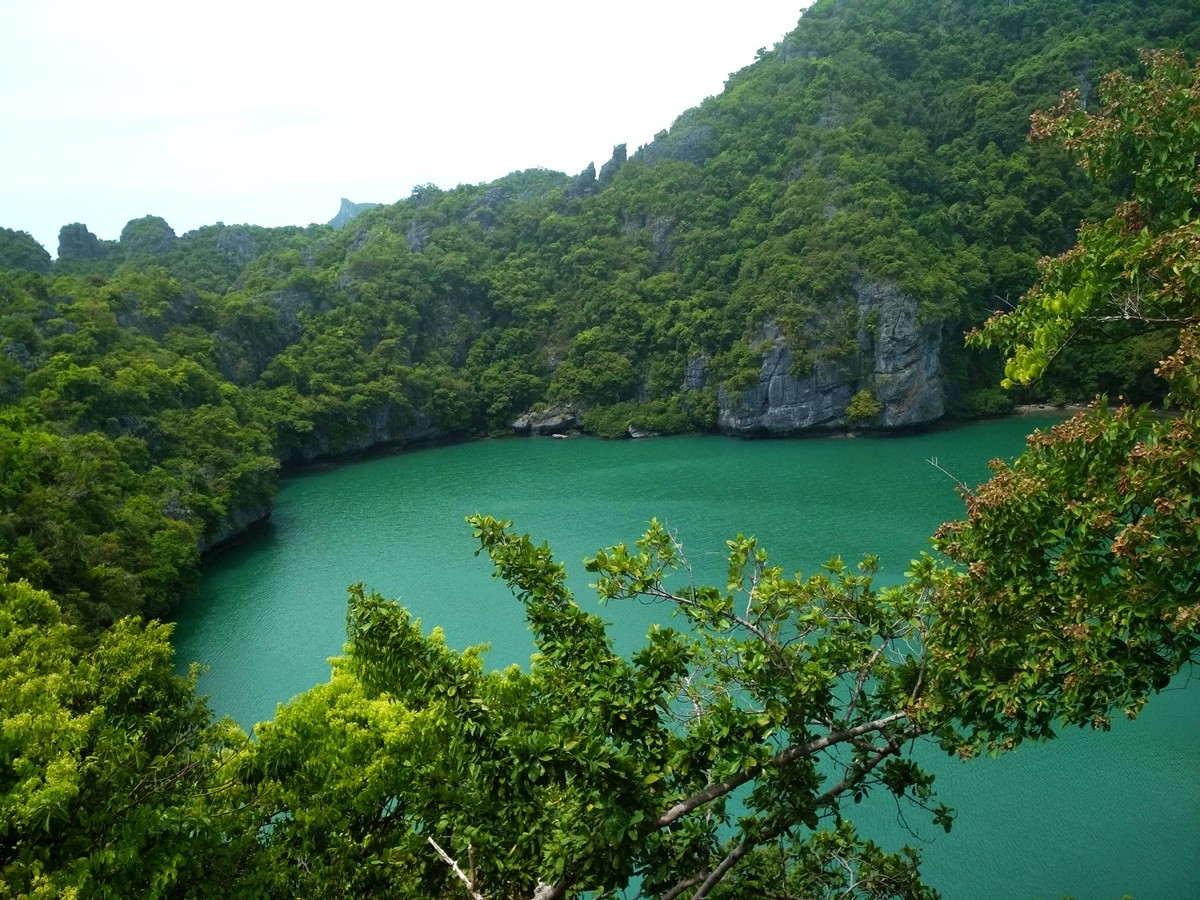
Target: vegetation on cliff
[
  {"x": 151, "y": 390},
  {"x": 152, "y": 385}
]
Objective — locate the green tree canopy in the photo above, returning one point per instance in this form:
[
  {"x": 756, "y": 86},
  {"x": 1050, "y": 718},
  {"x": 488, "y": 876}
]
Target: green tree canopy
[
  {"x": 114, "y": 780},
  {"x": 1080, "y": 589},
  {"x": 20, "y": 250},
  {"x": 148, "y": 402}
]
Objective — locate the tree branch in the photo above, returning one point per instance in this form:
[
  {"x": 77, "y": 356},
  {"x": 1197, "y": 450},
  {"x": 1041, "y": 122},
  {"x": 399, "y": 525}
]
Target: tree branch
[
  {"x": 721, "y": 788},
  {"x": 745, "y": 846},
  {"x": 726, "y": 864},
  {"x": 555, "y": 891},
  {"x": 683, "y": 886},
  {"x": 462, "y": 876},
  {"x": 863, "y": 674}
]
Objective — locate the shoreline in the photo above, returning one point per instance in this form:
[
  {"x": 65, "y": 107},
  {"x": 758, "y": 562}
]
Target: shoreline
[
  {"x": 1024, "y": 409},
  {"x": 327, "y": 463}
]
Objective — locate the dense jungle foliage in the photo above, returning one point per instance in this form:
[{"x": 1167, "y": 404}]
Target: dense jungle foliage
[{"x": 152, "y": 387}]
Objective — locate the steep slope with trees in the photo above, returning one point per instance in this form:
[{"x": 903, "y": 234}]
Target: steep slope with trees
[
  {"x": 1074, "y": 598},
  {"x": 798, "y": 253},
  {"x": 144, "y": 414},
  {"x": 1081, "y": 591}
]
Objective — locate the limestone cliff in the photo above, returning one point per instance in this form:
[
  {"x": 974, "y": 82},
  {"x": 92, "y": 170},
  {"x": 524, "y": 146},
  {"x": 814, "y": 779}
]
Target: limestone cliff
[
  {"x": 689, "y": 140},
  {"x": 348, "y": 212},
  {"x": 76, "y": 242},
  {"x": 386, "y": 426},
  {"x": 905, "y": 355},
  {"x": 147, "y": 236},
  {"x": 237, "y": 522},
  {"x": 897, "y": 360},
  {"x": 585, "y": 183},
  {"x": 616, "y": 162},
  {"x": 554, "y": 420}
]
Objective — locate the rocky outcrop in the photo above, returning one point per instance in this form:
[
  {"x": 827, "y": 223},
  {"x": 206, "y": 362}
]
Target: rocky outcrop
[
  {"x": 387, "y": 426},
  {"x": 661, "y": 232},
  {"x": 486, "y": 208},
  {"x": 248, "y": 339},
  {"x": 782, "y": 403},
  {"x": 417, "y": 235},
  {"x": 237, "y": 523},
  {"x": 147, "y": 236},
  {"x": 616, "y": 162},
  {"x": 237, "y": 242},
  {"x": 76, "y": 242},
  {"x": 585, "y": 183},
  {"x": 637, "y": 433},
  {"x": 554, "y": 420},
  {"x": 348, "y": 212},
  {"x": 694, "y": 374},
  {"x": 905, "y": 356},
  {"x": 897, "y": 361},
  {"x": 154, "y": 318},
  {"x": 689, "y": 140}
]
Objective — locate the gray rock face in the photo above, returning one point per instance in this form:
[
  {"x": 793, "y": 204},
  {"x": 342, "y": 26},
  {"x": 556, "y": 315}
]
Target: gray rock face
[
  {"x": 688, "y": 141},
  {"x": 147, "y": 236},
  {"x": 417, "y": 234},
  {"x": 76, "y": 242},
  {"x": 237, "y": 522},
  {"x": 486, "y": 207},
  {"x": 897, "y": 361},
  {"x": 246, "y": 344},
  {"x": 348, "y": 212},
  {"x": 693, "y": 375},
  {"x": 609, "y": 170},
  {"x": 555, "y": 420},
  {"x": 385, "y": 427},
  {"x": 661, "y": 229},
  {"x": 155, "y": 320},
  {"x": 906, "y": 357},
  {"x": 637, "y": 433},
  {"x": 236, "y": 241},
  {"x": 585, "y": 183},
  {"x": 782, "y": 403}
]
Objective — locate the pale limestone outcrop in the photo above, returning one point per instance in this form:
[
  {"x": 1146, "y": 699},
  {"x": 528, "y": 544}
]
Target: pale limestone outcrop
[{"x": 897, "y": 360}]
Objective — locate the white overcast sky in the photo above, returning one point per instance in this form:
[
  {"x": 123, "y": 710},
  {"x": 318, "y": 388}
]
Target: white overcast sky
[{"x": 269, "y": 112}]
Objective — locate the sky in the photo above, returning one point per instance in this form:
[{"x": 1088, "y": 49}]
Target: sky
[{"x": 267, "y": 113}]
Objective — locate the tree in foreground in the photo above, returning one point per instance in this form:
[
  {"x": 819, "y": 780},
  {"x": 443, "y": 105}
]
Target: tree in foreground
[
  {"x": 113, "y": 780},
  {"x": 714, "y": 762},
  {"x": 1079, "y": 593},
  {"x": 719, "y": 759}
]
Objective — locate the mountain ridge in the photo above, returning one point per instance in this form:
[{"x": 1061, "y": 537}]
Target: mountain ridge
[{"x": 799, "y": 252}]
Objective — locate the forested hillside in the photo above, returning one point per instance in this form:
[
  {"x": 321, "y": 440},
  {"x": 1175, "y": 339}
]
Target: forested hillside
[{"x": 803, "y": 252}]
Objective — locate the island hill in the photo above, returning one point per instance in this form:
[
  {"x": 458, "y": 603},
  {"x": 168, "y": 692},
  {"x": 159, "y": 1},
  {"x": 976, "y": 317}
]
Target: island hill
[{"x": 799, "y": 254}]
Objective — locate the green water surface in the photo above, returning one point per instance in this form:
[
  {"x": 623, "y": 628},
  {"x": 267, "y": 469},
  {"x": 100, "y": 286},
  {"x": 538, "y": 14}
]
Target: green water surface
[{"x": 1090, "y": 815}]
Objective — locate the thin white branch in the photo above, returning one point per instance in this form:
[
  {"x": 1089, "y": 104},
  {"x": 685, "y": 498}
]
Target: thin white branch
[
  {"x": 863, "y": 674},
  {"x": 721, "y": 788},
  {"x": 462, "y": 876},
  {"x": 934, "y": 462}
]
